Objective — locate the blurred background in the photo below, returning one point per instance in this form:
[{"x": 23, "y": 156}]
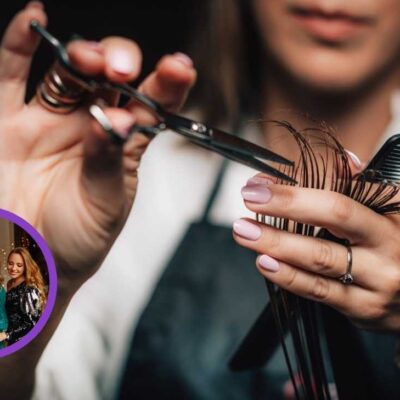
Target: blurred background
[{"x": 158, "y": 26}]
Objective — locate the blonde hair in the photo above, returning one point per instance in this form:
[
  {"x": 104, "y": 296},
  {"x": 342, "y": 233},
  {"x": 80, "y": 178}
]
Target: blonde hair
[{"x": 33, "y": 276}]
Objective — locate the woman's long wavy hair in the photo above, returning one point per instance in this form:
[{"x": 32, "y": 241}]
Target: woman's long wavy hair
[{"x": 33, "y": 276}]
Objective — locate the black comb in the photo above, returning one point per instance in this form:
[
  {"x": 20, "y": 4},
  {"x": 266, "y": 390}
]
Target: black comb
[{"x": 386, "y": 163}]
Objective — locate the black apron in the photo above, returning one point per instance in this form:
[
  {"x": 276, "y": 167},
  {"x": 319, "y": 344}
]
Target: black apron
[{"x": 205, "y": 302}]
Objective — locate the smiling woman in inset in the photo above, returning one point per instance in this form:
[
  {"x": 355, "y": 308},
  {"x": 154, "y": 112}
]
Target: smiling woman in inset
[{"x": 26, "y": 295}]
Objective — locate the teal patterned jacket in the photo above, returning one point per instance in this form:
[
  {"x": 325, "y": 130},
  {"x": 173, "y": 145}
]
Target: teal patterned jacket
[{"x": 3, "y": 314}]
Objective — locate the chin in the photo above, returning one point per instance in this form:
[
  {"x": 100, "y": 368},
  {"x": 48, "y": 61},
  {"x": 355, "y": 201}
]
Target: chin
[
  {"x": 331, "y": 73},
  {"x": 330, "y": 83}
]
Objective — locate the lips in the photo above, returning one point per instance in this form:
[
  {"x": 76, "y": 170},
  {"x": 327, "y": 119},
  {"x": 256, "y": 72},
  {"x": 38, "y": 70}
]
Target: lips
[{"x": 330, "y": 26}]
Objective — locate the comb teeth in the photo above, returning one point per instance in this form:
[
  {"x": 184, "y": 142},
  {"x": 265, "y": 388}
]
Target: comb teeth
[{"x": 387, "y": 161}]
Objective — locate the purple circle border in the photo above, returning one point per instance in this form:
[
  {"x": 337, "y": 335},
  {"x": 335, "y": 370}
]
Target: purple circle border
[{"x": 51, "y": 267}]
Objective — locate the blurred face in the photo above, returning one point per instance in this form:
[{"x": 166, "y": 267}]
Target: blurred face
[
  {"x": 331, "y": 44},
  {"x": 16, "y": 266}
]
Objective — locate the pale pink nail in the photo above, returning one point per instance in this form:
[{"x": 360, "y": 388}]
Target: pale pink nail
[
  {"x": 257, "y": 194},
  {"x": 184, "y": 59},
  {"x": 259, "y": 180},
  {"x": 246, "y": 229},
  {"x": 268, "y": 263},
  {"x": 123, "y": 131},
  {"x": 355, "y": 159},
  {"x": 124, "y": 126},
  {"x": 121, "y": 62}
]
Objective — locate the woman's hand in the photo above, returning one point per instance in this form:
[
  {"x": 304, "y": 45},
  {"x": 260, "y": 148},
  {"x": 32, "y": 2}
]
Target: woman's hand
[
  {"x": 61, "y": 172},
  {"x": 311, "y": 267},
  {"x": 3, "y": 336}
]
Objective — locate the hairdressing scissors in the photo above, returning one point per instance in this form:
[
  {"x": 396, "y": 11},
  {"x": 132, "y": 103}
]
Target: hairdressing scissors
[{"x": 227, "y": 145}]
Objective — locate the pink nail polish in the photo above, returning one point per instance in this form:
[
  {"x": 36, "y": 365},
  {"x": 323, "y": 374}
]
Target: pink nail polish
[
  {"x": 124, "y": 125},
  {"x": 246, "y": 229},
  {"x": 268, "y": 263},
  {"x": 121, "y": 62},
  {"x": 356, "y": 161},
  {"x": 259, "y": 180},
  {"x": 257, "y": 194},
  {"x": 184, "y": 59},
  {"x": 123, "y": 131}
]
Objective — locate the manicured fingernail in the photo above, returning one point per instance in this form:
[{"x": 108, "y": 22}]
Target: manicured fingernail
[
  {"x": 123, "y": 133},
  {"x": 96, "y": 46},
  {"x": 268, "y": 263},
  {"x": 35, "y": 4},
  {"x": 124, "y": 126},
  {"x": 355, "y": 159},
  {"x": 121, "y": 62},
  {"x": 246, "y": 229},
  {"x": 257, "y": 193},
  {"x": 259, "y": 180},
  {"x": 184, "y": 59}
]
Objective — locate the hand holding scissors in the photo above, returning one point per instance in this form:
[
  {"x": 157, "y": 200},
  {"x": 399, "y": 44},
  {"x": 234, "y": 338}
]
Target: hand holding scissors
[{"x": 227, "y": 145}]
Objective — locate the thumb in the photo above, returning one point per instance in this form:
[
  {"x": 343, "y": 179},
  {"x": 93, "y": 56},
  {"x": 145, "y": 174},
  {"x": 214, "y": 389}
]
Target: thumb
[{"x": 16, "y": 51}]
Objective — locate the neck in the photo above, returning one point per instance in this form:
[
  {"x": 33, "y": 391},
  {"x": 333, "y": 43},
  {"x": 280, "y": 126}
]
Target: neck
[
  {"x": 363, "y": 114},
  {"x": 17, "y": 281}
]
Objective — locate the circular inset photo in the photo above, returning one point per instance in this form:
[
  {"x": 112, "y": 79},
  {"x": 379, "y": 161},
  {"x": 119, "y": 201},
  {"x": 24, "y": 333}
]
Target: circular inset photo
[{"x": 28, "y": 283}]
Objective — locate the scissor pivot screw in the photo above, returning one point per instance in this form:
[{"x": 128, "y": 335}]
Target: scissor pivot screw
[{"x": 200, "y": 128}]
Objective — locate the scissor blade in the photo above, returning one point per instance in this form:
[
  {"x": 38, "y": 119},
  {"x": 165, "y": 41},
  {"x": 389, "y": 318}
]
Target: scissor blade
[
  {"x": 254, "y": 163},
  {"x": 219, "y": 138},
  {"x": 245, "y": 160},
  {"x": 236, "y": 143},
  {"x": 234, "y": 155}
]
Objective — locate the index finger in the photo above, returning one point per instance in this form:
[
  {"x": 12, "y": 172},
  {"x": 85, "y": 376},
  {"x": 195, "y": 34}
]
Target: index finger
[
  {"x": 117, "y": 58},
  {"x": 341, "y": 215},
  {"x": 168, "y": 84}
]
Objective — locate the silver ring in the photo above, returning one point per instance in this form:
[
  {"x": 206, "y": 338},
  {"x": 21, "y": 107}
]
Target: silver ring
[{"x": 347, "y": 278}]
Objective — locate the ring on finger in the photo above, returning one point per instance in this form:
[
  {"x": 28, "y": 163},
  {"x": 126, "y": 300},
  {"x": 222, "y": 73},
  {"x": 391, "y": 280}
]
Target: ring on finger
[
  {"x": 347, "y": 277},
  {"x": 59, "y": 95}
]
